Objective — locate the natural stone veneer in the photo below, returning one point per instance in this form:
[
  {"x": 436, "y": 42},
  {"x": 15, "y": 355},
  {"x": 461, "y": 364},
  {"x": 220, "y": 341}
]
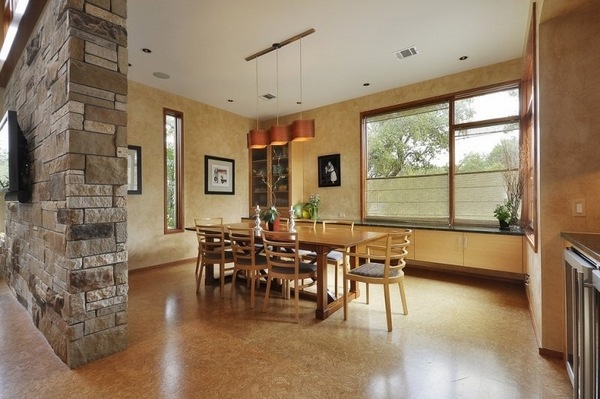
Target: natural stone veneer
[{"x": 66, "y": 259}]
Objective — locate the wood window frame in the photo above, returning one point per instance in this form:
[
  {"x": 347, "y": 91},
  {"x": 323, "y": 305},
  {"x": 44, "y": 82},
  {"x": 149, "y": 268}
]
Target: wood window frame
[
  {"x": 179, "y": 222},
  {"x": 450, "y": 98},
  {"x": 529, "y": 131}
]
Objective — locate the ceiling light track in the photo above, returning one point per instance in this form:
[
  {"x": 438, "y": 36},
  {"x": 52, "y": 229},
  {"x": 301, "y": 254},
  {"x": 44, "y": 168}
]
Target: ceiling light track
[{"x": 279, "y": 45}]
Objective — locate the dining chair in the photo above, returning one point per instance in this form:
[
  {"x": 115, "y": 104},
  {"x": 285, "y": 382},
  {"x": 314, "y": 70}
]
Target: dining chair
[
  {"x": 213, "y": 249},
  {"x": 283, "y": 260},
  {"x": 247, "y": 258},
  {"x": 382, "y": 268},
  {"x": 334, "y": 258}
]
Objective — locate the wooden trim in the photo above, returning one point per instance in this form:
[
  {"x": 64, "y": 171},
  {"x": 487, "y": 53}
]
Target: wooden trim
[
  {"x": 550, "y": 353},
  {"x": 162, "y": 265},
  {"x": 179, "y": 173},
  {"x": 26, "y": 26},
  {"x": 516, "y": 278}
]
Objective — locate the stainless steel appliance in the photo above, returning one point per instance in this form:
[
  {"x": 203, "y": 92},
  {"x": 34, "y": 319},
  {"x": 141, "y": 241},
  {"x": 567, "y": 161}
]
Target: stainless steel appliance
[{"x": 581, "y": 322}]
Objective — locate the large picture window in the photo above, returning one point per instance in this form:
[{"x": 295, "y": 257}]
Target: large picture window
[
  {"x": 173, "y": 140},
  {"x": 448, "y": 161}
]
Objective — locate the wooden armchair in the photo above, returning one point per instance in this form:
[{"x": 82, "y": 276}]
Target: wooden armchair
[
  {"x": 383, "y": 268},
  {"x": 246, "y": 258},
  {"x": 212, "y": 249},
  {"x": 284, "y": 263}
]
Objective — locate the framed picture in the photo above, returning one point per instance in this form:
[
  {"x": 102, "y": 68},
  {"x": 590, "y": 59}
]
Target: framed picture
[
  {"x": 219, "y": 175},
  {"x": 134, "y": 169},
  {"x": 330, "y": 172}
]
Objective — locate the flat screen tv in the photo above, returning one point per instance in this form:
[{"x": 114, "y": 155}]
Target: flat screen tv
[{"x": 14, "y": 160}]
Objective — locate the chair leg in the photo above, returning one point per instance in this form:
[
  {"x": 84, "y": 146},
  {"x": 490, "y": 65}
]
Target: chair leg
[
  {"x": 233, "y": 276},
  {"x": 199, "y": 278},
  {"x": 403, "y": 296},
  {"x": 297, "y": 301},
  {"x": 222, "y": 278},
  {"x": 198, "y": 261},
  {"x": 266, "y": 304},
  {"x": 336, "y": 271},
  {"x": 367, "y": 289},
  {"x": 388, "y": 310},
  {"x": 251, "y": 278},
  {"x": 345, "y": 295}
]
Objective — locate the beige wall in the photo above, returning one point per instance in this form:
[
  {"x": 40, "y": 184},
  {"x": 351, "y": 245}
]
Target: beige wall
[
  {"x": 569, "y": 113},
  {"x": 215, "y": 132},
  {"x": 207, "y": 131}
]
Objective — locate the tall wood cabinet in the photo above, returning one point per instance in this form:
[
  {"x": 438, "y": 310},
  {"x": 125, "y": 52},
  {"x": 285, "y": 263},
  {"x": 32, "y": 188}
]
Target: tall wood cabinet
[{"x": 275, "y": 175}]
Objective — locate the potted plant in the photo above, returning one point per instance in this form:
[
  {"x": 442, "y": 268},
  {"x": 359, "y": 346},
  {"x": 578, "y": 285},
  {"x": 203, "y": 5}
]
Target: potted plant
[
  {"x": 270, "y": 216},
  {"x": 503, "y": 214}
]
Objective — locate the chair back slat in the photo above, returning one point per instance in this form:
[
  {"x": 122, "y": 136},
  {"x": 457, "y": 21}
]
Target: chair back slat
[
  {"x": 338, "y": 224},
  {"x": 281, "y": 248},
  {"x": 211, "y": 237},
  {"x": 242, "y": 243}
]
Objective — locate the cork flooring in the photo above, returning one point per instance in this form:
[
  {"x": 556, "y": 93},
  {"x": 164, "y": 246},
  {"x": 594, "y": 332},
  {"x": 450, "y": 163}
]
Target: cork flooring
[{"x": 463, "y": 338}]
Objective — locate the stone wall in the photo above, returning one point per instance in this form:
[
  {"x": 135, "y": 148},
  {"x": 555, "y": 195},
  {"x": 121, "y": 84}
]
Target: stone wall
[{"x": 66, "y": 256}]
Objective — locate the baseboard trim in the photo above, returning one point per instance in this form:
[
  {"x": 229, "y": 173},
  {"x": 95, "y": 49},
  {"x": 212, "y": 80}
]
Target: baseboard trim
[
  {"x": 550, "y": 353},
  {"x": 168, "y": 264}
]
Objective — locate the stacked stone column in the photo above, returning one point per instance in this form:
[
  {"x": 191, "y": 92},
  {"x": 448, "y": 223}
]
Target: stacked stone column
[{"x": 65, "y": 251}]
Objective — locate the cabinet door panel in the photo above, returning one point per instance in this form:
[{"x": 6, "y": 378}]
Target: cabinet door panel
[
  {"x": 494, "y": 252},
  {"x": 439, "y": 247}
]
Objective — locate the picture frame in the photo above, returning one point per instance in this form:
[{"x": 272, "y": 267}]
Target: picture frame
[
  {"x": 330, "y": 171},
  {"x": 219, "y": 175},
  {"x": 134, "y": 169}
]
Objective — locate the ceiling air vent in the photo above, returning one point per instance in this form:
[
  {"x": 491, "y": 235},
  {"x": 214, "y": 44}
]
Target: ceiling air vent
[
  {"x": 268, "y": 96},
  {"x": 407, "y": 52}
]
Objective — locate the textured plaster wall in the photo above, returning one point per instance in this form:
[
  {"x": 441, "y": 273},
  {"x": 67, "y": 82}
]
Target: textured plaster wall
[
  {"x": 207, "y": 131},
  {"x": 569, "y": 84}
]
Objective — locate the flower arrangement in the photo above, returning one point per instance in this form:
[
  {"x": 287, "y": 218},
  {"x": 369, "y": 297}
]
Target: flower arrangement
[{"x": 314, "y": 200}]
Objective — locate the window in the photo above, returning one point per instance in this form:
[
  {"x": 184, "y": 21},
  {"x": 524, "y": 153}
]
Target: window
[
  {"x": 529, "y": 135},
  {"x": 449, "y": 161},
  {"x": 173, "y": 122}
]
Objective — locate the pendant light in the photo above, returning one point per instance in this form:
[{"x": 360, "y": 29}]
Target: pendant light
[
  {"x": 257, "y": 138},
  {"x": 302, "y": 129},
  {"x": 278, "y": 134}
]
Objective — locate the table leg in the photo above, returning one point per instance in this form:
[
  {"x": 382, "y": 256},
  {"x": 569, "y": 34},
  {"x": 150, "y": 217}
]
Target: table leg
[{"x": 322, "y": 301}]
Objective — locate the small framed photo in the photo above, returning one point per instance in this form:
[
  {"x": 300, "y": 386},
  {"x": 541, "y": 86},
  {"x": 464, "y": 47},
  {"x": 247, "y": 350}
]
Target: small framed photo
[
  {"x": 330, "y": 172},
  {"x": 219, "y": 175},
  {"x": 134, "y": 169}
]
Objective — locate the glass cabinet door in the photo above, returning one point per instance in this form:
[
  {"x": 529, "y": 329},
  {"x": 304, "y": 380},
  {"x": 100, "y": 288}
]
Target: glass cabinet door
[
  {"x": 269, "y": 181},
  {"x": 258, "y": 187},
  {"x": 279, "y": 175}
]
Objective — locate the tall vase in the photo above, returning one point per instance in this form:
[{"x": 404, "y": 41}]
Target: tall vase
[
  {"x": 314, "y": 214},
  {"x": 274, "y": 226}
]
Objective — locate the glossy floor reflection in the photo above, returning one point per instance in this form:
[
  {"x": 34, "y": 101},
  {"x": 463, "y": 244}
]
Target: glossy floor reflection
[{"x": 463, "y": 338}]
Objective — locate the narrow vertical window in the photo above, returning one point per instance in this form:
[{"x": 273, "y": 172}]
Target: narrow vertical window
[{"x": 173, "y": 122}]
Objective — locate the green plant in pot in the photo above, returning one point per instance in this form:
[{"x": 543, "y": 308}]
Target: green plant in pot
[
  {"x": 503, "y": 214},
  {"x": 270, "y": 216}
]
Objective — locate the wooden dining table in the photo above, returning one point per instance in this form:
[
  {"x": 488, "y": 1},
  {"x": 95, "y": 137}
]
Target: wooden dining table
[{"x": 322, "y": 241}]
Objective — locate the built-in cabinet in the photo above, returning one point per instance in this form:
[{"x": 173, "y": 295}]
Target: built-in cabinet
[
  {"x": 498, "y": 252},
  {"x": 275, "y": 176},
  {"x": 494, "y": 252}
]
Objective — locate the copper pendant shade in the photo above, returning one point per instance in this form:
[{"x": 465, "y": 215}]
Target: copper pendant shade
[
  {"x": 279, "y": 134},
  {"x": 302, "y": 129},
  {"x": 258, "y": 138},
  {"x": 299, "y": 130}
]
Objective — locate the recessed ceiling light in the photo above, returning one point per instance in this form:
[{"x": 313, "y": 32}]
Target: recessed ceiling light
[
  {"x": 464, "y": 57},
  {"x": 366, "y": 84},
  {"x": 146, "y": 50},
  {"x": 230, "y": 100},
  {"x": 161, "y": 75}
]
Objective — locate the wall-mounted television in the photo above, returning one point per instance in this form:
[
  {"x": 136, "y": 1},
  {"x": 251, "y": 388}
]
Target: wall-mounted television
[{"x": 14, "y": 160}]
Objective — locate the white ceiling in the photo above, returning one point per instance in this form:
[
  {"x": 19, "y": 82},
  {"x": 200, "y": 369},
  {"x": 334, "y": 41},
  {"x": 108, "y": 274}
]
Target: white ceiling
[{"x": 203, "y": 44}]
